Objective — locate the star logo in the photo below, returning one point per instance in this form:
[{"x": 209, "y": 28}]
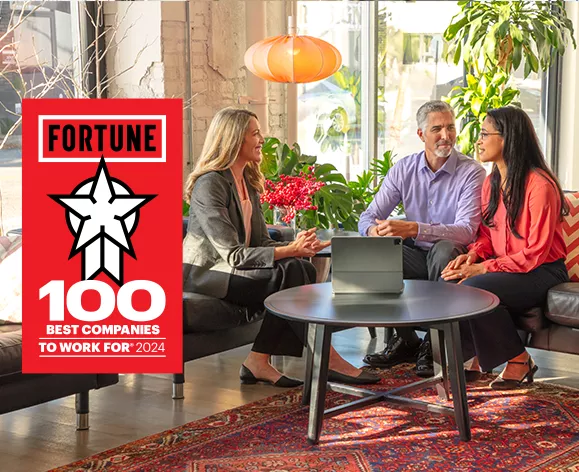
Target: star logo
[{"x": 102, "y": 213}]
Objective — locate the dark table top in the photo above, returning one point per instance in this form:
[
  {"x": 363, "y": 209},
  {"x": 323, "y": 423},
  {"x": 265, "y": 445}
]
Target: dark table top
[{"x": 422, "y": 302}]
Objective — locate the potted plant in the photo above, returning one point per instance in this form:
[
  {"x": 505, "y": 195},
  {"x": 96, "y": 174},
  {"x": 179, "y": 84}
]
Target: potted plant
[
  {"x": 332, "y": 203},
  {"x": 493, "y": 38}
]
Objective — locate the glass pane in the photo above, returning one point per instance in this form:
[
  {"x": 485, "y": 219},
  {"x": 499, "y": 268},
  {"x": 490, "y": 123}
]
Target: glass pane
[
  {"x": 32, "y": 60},
  {"x": 530, "y": 98},
  {"x": 411, "y": 69},
  {"x": 329, "y": 111}
]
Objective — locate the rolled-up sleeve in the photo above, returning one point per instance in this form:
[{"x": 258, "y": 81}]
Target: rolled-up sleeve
[
  {"x": 384, "y": 202},
  {"x": 209, "y": 201}
]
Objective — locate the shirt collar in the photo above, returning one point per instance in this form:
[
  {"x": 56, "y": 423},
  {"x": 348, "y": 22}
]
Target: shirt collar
[{"x": 449, "y": 166}]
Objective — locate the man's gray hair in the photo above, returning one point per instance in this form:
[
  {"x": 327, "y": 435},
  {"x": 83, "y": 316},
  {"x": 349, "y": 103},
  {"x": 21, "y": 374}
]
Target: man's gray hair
[{"x": 433, "y": 106}]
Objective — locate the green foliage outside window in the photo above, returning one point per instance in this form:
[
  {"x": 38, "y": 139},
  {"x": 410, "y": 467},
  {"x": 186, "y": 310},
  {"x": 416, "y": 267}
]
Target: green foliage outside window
[{"x": 492, "y": 39}]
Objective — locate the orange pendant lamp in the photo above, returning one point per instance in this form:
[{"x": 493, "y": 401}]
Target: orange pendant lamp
[{"x": 292, "y": 58}]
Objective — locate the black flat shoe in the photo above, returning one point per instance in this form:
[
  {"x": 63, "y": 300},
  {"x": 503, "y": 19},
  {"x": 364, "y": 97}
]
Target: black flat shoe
[
  {"x": 247, "y": 377},
  {"x": 472, "y": 375},
  {"x": 512, "y": 384},
  {"x": 363, "y": 379}
]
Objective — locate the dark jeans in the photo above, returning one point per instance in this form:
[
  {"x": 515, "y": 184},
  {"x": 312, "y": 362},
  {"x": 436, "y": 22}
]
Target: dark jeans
[
  {"x": 424, "y": 264},
  {"x": 493, "y": 338},
  {"x": 277, "y": 336}
]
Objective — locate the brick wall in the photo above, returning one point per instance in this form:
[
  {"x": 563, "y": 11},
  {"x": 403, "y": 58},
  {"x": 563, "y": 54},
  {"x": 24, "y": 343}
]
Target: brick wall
[
  {"x": 174, "y": 52},
  {"x": 218, "y": 74}
]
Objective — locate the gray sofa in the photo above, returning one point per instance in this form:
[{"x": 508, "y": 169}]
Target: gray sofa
[
  {"x": 211, "y": 325},
  {"x": 18, "y": 390},
  {"x": 554, "y": 327}
]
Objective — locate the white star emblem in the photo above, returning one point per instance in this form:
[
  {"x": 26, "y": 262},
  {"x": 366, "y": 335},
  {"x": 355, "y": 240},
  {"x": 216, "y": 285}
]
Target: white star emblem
[{"x": 102, "y": 213}]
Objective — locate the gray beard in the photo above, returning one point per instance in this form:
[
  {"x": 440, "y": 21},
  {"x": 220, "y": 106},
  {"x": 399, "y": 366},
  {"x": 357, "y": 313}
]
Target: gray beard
[{"x": 442, "y": 153}]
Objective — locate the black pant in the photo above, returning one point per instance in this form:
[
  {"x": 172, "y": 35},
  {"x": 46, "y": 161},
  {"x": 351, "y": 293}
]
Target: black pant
[
  {"x": 425, "y": 264},
  {"x": 250, "y": 288},
  {"x": 493, "y": 338}
]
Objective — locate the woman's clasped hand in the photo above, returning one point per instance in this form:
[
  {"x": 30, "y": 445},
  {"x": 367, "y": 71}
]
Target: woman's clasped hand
[
  {"x": 307, "y": 244},
  {"x": 463, "y": 267}
]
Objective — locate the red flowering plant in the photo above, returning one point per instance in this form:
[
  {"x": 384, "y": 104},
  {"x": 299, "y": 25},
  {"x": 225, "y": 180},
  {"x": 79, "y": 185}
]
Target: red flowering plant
[
  {"x": 292, "y": 193},
  {"x": 311, "y": 194}
]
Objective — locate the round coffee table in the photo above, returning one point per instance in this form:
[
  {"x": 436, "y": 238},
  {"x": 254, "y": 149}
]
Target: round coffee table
[{"x": 439, "y": 305}]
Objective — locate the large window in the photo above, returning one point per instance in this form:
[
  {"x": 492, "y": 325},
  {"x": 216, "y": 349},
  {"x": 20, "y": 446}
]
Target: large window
[
  {"x": 35, "y": 61},
  {"x": 329, "y": 111},
  {"x": 411, "y": 70}
]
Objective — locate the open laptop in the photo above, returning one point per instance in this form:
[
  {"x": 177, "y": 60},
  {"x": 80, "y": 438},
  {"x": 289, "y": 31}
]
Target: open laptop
[{"x": 367, "y": 265}]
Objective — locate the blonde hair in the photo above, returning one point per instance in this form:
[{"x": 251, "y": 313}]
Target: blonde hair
[{"x": 222, "y": 146}]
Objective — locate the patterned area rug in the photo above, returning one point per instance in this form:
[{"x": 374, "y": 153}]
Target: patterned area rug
[{"x": 532, "y": 429}]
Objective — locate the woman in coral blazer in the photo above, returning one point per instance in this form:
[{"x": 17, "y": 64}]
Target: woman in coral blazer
[{"x": 519, "y": 253}]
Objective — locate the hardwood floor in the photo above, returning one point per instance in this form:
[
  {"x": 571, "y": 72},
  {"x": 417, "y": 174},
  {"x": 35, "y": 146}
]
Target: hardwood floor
[{"x": 42, "y": 437}]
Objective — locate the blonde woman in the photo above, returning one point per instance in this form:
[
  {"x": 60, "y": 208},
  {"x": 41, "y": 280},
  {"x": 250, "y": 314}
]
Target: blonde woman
[{"x": 228, "y": 253}]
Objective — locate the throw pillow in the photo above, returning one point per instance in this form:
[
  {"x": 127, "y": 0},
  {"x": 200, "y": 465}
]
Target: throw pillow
[
  {"x": 11, "y": 279},
  {"x": 571, "y": 236}
]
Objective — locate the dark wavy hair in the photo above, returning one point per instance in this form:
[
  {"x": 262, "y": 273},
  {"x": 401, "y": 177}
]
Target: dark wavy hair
[{"x": 522, "y": 154}]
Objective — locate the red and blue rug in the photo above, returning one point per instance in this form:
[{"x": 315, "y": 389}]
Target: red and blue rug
[{"x": 532, "y": 429}]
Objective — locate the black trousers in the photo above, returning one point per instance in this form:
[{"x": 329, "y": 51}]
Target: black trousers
[
  {"x": 493, "y": 338},
  {"x": 250, "y": 288},
  {"x": 424, "y": 264}
]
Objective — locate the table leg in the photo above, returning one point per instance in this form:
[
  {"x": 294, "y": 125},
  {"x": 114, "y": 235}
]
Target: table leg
[
  {"x": 310, "y": 342},
  {"x": 319, "y": 382},
  {"x": 439, "y": 357},
  {"x": 457, "y": 380}
]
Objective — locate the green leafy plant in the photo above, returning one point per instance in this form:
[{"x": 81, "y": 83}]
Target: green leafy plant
[
  {"x": 367, "y": 184},
  {"x": 334, "y": 200},
  {"x": 493, "y": 39},
  {"x": 335, "y": 128},
  {"x": 332, "y": 129},
  {"x": 481, "y": 94},
  {"x": 502, "y": 33}
]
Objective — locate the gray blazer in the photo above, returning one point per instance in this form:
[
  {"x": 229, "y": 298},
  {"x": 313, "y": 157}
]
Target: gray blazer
[{"x": 214, "y": 245}]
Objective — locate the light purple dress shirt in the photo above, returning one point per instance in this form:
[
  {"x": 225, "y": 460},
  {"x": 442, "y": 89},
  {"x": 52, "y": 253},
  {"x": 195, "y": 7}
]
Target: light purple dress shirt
[{"x": 445, "y": 203}]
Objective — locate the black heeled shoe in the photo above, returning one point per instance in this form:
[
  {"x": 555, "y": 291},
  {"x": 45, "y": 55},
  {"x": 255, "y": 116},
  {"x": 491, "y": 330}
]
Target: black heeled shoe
[
  {"x": 511, "y": 384},
  {"x": 247, "y": 377},
  {"x": 364, "y": 378}
]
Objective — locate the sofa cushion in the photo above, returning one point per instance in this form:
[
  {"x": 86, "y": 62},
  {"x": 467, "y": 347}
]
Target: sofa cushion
[
  {"x": 10, "y": 350},
  {"x": 571, "y": 235},
  {"x": 563, "y": 304},
  {"x": 203, "y": 313}
]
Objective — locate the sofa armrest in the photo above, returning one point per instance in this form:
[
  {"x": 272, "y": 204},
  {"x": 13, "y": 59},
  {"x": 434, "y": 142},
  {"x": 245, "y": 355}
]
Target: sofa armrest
[{"x": 563, "y": 304}]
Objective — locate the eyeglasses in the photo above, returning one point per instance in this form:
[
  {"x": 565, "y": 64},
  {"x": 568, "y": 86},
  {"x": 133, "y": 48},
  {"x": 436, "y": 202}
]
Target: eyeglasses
[{"x": 484, "y": 135}]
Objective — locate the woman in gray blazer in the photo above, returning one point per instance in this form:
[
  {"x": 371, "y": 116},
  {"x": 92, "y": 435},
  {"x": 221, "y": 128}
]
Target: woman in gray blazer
[{"x": 228, "y": 253}]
